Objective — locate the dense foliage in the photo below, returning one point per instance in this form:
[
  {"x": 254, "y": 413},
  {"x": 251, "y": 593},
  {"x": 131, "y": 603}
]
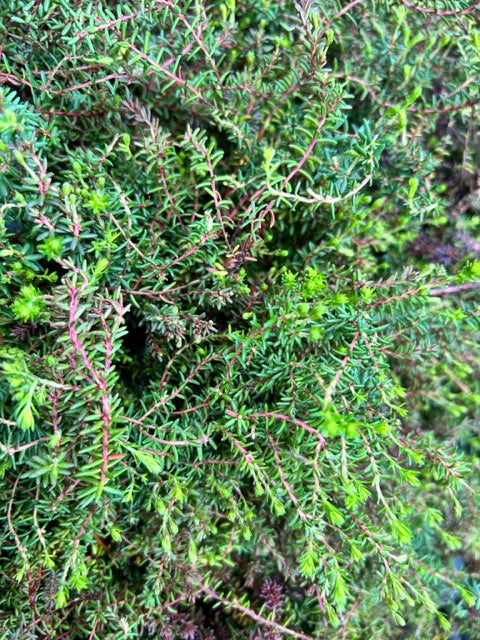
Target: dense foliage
[{"x": 239, "y": 319}]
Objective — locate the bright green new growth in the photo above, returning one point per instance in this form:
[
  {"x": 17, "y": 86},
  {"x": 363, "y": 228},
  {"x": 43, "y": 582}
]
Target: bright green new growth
[
  {"x": 29, "y": 304},
  {"x": 239, "y": 281}
]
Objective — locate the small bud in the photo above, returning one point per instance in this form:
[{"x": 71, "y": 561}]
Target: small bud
[
  {"x": 67, "y": 188},
  {"x": 302, "y": 309},
  {"x": 268, "y": 154},
  {"x": 315, "y": 334},
  {"x": 25, "y": 418},
  {"x": 314, "y": 19},
  {"x": 318, "y": 311}
]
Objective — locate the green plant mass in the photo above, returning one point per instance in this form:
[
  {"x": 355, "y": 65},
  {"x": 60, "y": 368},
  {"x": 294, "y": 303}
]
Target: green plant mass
[{"x": 239, "y": 321}]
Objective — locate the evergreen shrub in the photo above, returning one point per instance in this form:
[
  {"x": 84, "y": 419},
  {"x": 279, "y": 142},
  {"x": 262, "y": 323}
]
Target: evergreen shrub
[{"x": 239, "y": 280}]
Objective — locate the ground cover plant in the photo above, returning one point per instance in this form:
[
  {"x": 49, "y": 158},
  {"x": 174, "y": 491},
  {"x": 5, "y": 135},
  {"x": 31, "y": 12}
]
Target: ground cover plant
[{"x": 239, "y": 291}]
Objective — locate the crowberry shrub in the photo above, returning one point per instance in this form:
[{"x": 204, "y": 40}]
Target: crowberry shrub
[{"x": 239, "y": 319}]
